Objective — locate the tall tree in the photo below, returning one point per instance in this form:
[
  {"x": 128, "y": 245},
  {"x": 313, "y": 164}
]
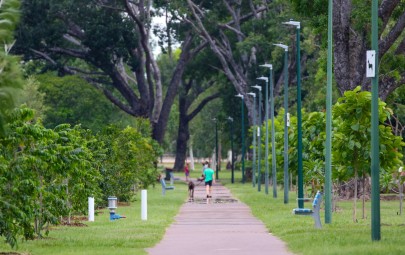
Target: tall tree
[
  {"x": 107, "y": 44},
  {"x": 351, "y": 40},
  {"x": 241, "y": 35}
]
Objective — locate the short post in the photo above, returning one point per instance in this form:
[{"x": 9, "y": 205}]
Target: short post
[
  {"x": 144, "y": 204},
  {"x": 400, "y": 187},
  {"x": 91, "y": 208},
  {"x": 112, "y": 205}
]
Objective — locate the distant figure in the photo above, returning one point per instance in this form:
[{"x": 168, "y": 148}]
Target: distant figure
[
  {"x": 191, "y": 191},
  {"x": 205, "y": 165},
  {"x": 186, "y": 171},
  {"x": 209, "y": 179}
]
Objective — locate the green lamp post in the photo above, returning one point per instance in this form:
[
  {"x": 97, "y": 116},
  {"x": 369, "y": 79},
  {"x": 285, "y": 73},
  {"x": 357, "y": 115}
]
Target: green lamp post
[
  {"x": 266, "y": 157},
  {"x": 299, "y": 117},
  {"x": 286, "y": 120},
  {"x": 273, "y": 136},
  {"x": 243, "y": 137},
  {"x": 254, "y": 139},
  {"x": 259, "y": 147},
  {"x": 328, "y": 142},
  {"x": 230, "y": 119},
  {"x": 216, "y": 149},
  {"x": 375, "y": 141}
]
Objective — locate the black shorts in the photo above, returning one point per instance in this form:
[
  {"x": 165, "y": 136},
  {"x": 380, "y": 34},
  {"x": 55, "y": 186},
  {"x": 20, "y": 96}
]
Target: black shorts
[{"x": 209, "y": 183}]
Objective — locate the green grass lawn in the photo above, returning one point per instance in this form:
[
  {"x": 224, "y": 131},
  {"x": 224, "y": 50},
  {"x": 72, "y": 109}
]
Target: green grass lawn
[{"x": 125, "y": 236}]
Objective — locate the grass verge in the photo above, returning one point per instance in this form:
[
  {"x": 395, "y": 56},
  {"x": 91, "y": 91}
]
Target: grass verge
[{"x": 342, "y": 236}]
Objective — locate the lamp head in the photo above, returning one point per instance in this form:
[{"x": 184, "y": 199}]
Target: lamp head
[
  {"x": 293, "y": 23},
  {"x": 257, "y": 87},
  {"x": 252, "y": 94},
  {"x": 263, "y": 78},
  {"x": 285, "y": 47},
  {"x": 239, "y": 95},
  {"x": 268, "y": 66},
  {"x": 230, "y": 119}
]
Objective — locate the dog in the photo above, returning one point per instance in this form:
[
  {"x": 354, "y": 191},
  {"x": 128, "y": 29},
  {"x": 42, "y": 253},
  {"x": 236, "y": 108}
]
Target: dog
[{"x": 191, "y": 191}]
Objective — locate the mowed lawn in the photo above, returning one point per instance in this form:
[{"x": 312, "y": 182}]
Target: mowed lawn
[{"x": 342, "y": 236}]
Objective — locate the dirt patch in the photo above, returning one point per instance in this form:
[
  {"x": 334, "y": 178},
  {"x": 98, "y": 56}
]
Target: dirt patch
[
  {"x": 75, "y": 221},
  {"x": 73, "y": 224},
  {"x": 13, "y": 253}
]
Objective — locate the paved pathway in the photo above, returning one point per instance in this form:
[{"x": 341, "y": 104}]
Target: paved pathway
[{"x": 219, "y": 226}]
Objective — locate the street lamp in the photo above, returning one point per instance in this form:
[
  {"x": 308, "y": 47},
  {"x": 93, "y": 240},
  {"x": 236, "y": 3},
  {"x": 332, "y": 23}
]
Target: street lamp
[
  {"x": 216, "y": 148},
  {"x": 266, "y": 173},
  {"x": 286, "y": 120},
  {"x": 243, "y": 138},
  {"x": 273, "y": 136},
  {"x": 232, "y": 157},
  {"x": 299, "y": 117},
  {"x": 328, "y": 142},
  {"x": 375, "y": 142},
  {"x": 259, "y": 173},
  {"x": 254, "y": 139}
]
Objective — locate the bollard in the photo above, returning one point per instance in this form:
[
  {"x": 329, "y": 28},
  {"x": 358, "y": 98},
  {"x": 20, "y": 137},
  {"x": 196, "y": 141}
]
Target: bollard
[
  {"x": 144, "y": 204},
  {"x": 91, "y": 208}
]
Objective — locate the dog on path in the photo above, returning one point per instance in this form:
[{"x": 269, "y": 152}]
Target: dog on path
[{"x": 191, "y": 191}]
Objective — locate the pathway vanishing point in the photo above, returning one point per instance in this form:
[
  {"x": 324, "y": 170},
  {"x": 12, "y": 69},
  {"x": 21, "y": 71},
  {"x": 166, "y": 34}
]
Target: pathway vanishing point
[{"x": 220, "y": 226}]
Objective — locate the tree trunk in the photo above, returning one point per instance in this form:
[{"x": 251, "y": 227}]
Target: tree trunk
[
  {"x": 181, "y": 143},
  {"x": 364, "y": 195},
  {"x": 355, "y": 196},
  {"x": 351, "y": 44},
  {"x": 186, "y": 97},
  {"x": 192, "y": 165}
]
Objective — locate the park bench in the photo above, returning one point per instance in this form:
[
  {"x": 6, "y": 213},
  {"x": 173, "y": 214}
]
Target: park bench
[
  {"x": 164, "y": 187},
  {"x": 314, "y": 212}
]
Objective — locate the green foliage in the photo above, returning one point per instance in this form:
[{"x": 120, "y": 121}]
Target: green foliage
[
  {"x": 71, "y": 100},
  {"x": 130, "y": 163},
  {"x": 350, "y": 145},
  {"x": 351, "y": 142},
  {"x": 10, "y": 73},
  {"x": 46, "y": 174},
  {"x": 32, "y": 97}
]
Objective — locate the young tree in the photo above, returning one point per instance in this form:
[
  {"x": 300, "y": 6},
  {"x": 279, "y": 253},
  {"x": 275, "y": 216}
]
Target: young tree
[{"x": 351, "y": 141}]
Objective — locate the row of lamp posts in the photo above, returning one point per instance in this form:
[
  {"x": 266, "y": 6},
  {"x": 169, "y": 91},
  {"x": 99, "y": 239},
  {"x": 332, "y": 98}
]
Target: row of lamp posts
[
  {"x": 269, "y": 83},
  {"x": 375, "y": 163}
]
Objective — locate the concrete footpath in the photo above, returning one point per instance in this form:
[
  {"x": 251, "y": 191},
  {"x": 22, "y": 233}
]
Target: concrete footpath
[{"x": 220, "y": 225}]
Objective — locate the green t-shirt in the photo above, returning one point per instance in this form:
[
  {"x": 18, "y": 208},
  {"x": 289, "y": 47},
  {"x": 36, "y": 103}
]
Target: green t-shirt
[{"x": 209, "y": 174}]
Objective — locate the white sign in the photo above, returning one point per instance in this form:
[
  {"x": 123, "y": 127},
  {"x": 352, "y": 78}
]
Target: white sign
[
  {"x": 288, "y": 119},
  {"x": 370, "y": 65},
  {"x": 258, "y": 131}
]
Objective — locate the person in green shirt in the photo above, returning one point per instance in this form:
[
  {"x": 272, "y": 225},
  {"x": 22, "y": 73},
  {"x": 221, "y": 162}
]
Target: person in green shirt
[{"x": 209, "y": 179}]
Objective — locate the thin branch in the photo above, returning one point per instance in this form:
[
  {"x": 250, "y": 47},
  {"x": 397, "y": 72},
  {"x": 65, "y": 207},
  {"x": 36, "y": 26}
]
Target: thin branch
[
  {"x": 45, "y": 56},
  {"x": 393, "y": 35},
  {"x": 201, "y": 105},
  {"x": 385, "y": 11}
]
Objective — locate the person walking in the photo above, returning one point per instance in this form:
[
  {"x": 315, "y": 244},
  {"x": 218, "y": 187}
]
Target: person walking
[
  {"x": 186, "y": 171},
  {"x": 209, "y": 180}
]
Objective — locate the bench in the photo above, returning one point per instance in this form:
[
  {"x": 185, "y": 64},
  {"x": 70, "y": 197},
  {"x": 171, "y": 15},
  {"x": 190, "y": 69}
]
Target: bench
[
  {"x": 314, "y": 212},
  {"x": 164, "y": 187}
]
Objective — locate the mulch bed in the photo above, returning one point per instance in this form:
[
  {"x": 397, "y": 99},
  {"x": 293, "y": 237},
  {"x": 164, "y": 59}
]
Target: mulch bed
[{"x": 13, "y": 253}]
